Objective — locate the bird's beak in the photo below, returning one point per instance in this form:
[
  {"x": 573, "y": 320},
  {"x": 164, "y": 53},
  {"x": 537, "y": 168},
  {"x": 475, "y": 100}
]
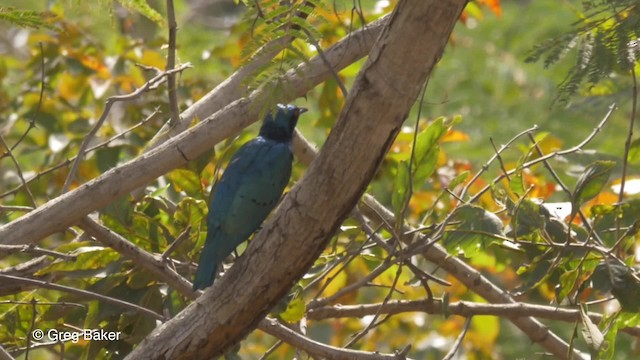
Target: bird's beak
[{"x": 303, "y": 110}]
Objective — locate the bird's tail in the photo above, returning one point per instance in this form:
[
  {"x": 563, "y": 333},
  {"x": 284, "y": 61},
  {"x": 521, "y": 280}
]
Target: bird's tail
[{"x": 207, "y": 267}]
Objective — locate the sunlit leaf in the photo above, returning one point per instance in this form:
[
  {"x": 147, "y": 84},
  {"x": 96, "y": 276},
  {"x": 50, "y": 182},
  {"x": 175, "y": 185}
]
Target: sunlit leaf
[
  {"x": 187, "y": 181},
  {"x": 190, "y": 212},
  {"x": 567, "y": 282},
  {"x": 592, "y": 181},
  {"x": 634, "y": 152},
  {"x": 426, "y": 151},
  {"x": 295, "y": 310},
  {"x": 400, "y": 189},
  {"x": 143, "y": 8},
  {"x": 477, "y": 228}
]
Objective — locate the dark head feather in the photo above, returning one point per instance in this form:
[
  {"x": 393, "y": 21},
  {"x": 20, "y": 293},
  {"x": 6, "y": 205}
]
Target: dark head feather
[{"x": 280, "y": 126}]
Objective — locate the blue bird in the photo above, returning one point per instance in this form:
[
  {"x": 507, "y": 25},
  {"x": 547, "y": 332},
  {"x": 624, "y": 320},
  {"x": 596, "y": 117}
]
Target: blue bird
[{"x": 248, "y": 190}]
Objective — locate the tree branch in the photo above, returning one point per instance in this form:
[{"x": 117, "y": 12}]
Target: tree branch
[
  {"x": 61, "y": 212},
  {"x": 320, "y": 350},
  {"x": 288, "y": 244}
]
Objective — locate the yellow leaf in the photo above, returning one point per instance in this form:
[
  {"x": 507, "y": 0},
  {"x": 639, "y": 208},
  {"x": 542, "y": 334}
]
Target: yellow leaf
[
  {"x": 71, "y": 87},
  {"x": 295, "y": 310}
]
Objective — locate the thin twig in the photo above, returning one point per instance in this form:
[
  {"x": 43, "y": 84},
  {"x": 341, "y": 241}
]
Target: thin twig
[
  {"x": 171, "y": 62},
  {"x": 34, "y": 313},
  {"x": 627, "y": 147},
  {"x": 10, "y": 249},
  {"x": 333, "y": 72},
  {"x": 179, "y": 240},
  {"x": 5, "y": 208},
  {"x": 32, "y": 121},
  {"x": 528, "y": 164},
  {"x": 153, "y": 263},
  {"x": 44, "y": 303},
  {"x": 458, "y": 342},
  {"x": 495, "y": 150},
  {"x": 317, "y": 349},
  {"x": 459, "y": 308},
  {"x": 18, "y": 170},
  {"x": 95, "y": 147},
  {"x": 107, "y": 109},
  {"x": 84, "y": 293}
]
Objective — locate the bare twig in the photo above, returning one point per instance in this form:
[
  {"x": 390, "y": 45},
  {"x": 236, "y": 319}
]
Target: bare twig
[
  {"x": 528, "y": 164},
  {"x": 627, "y": 147},
  {"x": 495, "y": 150},
  {"x": 460, "y": 308},
  {"x": 458, "y": 342},
  {"x": 317, "y": 349},
  {"x": 45, "y": 303},
  {"x": 171, "y": 62},
  {"x": 4, "y": 355},
  {"x": 95, "y": 147},
  {"x": 84, "y": 293},
  {"x": 5, "y": 208},
  {"x": 184, "y": 235},
  {"x": 32, "y": 121},
  {"x": 9, "y": 249},
  {"x": 32, "y": 326},
  {"x": 153, "y": 263},
  {"x": 18, "y": 170},
  {"x": 107, "y": 109}
]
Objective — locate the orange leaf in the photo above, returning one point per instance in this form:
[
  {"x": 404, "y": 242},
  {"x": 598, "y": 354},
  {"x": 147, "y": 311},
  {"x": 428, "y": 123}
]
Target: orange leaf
[{"x": 455, "y": 135}]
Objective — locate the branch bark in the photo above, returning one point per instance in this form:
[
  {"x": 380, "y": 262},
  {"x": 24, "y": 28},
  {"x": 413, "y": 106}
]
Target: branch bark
[{"x": 402, "y": 59}]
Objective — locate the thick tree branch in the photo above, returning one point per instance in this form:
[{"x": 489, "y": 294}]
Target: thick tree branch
[
  {"x": 67, "y": 209},
  {"x": 287, "y": 246}
]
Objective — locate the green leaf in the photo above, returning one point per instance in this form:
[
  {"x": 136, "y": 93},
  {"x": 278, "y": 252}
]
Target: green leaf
[
  {"x": 591, "y": 182},
  {"x": 461, "y": 178},
  {"x": 535, "y": 274},
  {"x": 624, "y": 215},
  {"x": 190, "y": 212},
  {"x": 25, "y": 18},
  {"x": 427, "y": 149},
  {"x": 121, "y": 210},
  {"x": 400, "y": 189},
  {"x": 516, "y": 182},
  {"x": 107, "y": 158},
  {"x": 143, "y": 8},
  {"x": 567, "y": 282},
  {"x": 445, "y": 305},
  {"x": 187, "y": 181},
  {"x": 477, "y": 228},
  {"x": 634, "y": 152},
  {"x": 527, "y": 217}
]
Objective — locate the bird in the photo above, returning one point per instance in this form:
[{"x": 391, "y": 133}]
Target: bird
[{"x": 249, "y": 188}]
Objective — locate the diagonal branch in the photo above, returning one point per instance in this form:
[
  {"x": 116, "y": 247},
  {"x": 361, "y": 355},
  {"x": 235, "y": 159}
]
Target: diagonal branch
[
  {"x": 319, "y": 350},
  {"x": 59, "y": 213},
  {"x": 288, "y": 244}
]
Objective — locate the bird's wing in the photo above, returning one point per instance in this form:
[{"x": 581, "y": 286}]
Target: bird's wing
[
  {"x": 260, "y": 188},
  {"x": 247, "y": 192}
]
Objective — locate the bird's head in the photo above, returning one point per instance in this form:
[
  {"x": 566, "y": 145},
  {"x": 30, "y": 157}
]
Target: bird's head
[{"x": 279, "y": 126}]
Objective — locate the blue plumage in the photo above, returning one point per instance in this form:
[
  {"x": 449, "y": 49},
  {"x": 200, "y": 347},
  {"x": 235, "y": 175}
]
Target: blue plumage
[{"x": 248, "y": 190}]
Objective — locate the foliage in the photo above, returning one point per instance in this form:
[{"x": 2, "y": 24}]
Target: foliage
[
  {"x": 500, "y": 217},
  {"x": 605, "y": 40}
]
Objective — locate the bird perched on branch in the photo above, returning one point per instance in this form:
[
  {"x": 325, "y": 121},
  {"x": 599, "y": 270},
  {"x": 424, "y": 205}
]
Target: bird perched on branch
[{"x": 248, "y": 190}]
